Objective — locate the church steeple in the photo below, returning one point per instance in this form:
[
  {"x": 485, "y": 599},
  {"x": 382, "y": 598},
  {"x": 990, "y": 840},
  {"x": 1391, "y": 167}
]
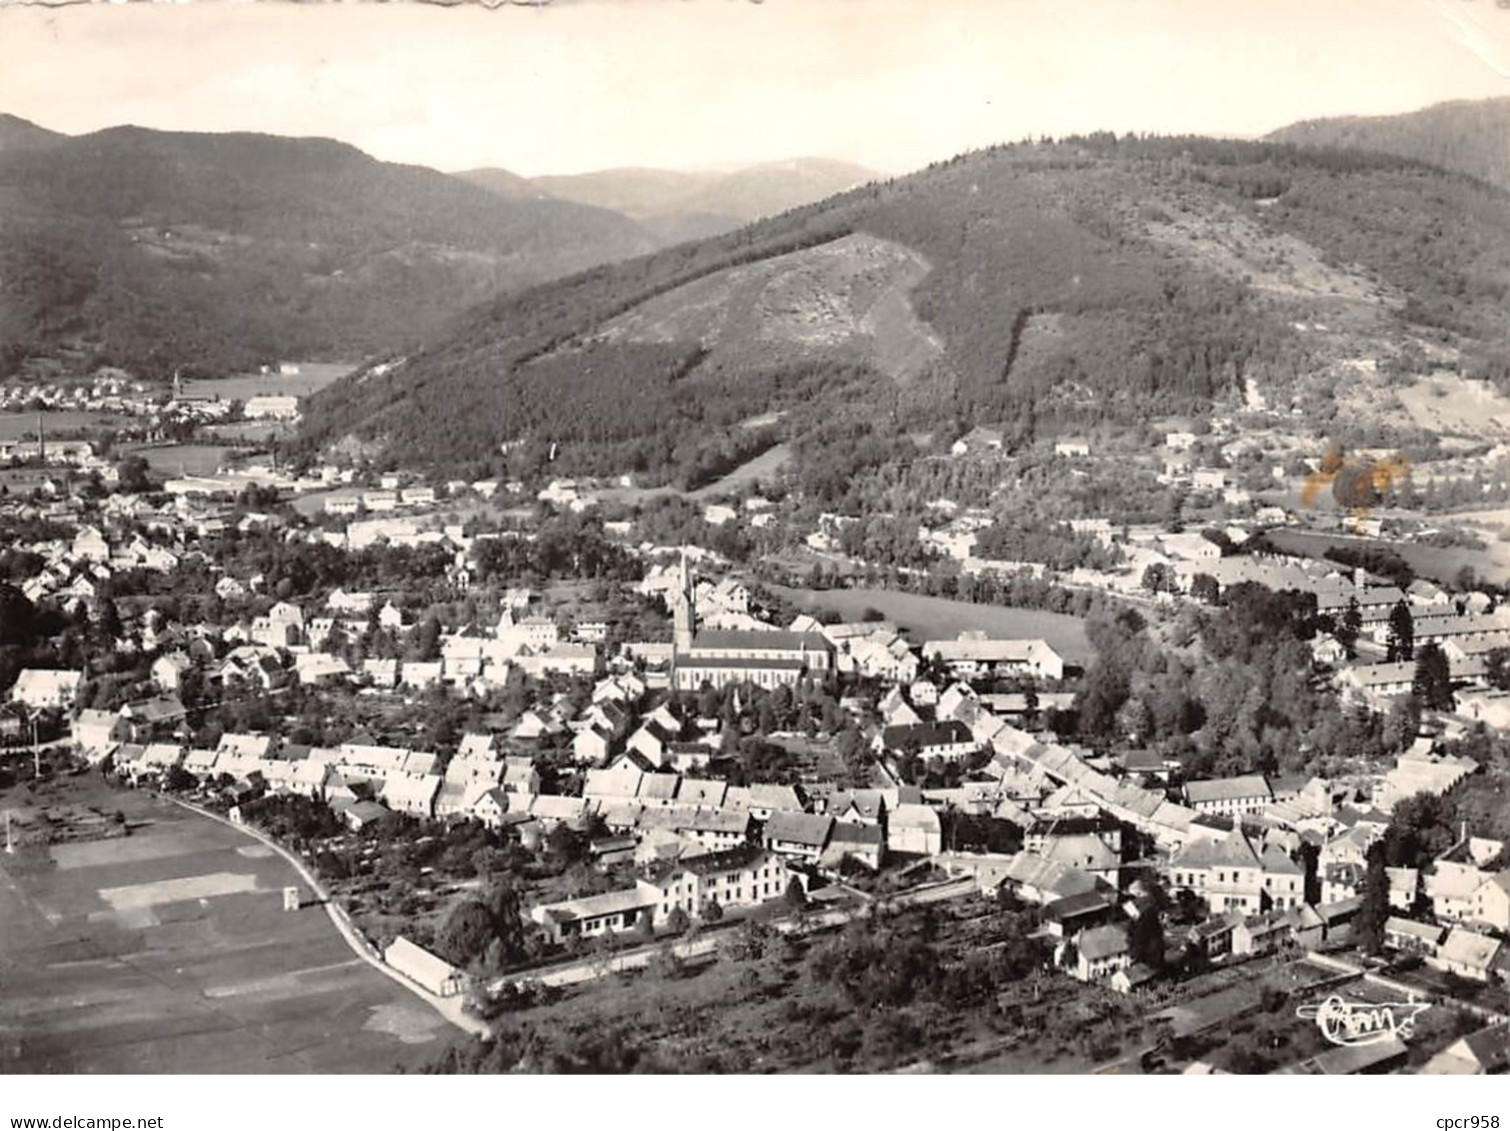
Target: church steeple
[{"x": 683, "y": 609}]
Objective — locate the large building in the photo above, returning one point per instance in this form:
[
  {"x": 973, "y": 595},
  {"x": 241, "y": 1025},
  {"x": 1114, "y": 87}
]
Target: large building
[{"x": 721, "y": 657}]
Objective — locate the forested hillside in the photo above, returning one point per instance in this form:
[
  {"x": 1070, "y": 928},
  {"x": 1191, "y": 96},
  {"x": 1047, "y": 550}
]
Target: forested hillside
[
  {"x": 1468, "y": 137},
  {"x": 211, "y": 252},
  {"x": 1041, "y": 287}
]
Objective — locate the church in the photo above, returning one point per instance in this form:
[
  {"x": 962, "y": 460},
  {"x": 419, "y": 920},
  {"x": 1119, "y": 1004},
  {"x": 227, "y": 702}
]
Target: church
[{"x": 721, "y": 657}]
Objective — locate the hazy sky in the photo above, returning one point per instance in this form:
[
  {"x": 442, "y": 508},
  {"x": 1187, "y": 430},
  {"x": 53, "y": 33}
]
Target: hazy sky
[{"x": 892, "y": 84}]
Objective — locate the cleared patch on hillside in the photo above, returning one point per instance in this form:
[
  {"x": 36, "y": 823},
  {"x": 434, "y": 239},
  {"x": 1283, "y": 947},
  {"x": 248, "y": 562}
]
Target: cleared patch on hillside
[
  {"x": 1224, "y": 240},
  {"x": 852, "y": 293},
  {"x": 1447, "y": 403}
]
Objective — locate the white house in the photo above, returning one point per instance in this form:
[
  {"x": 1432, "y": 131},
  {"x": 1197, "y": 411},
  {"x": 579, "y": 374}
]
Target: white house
[{"x": 47, "y": 689}]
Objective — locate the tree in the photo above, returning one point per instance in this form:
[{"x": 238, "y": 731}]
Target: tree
[
  {"x": 1400, "y": 643},
  {"x": 644, "y": 927},
  {"x": 506, "y": 909},
  {"x": 1432, "y": 686},
  {"x": 179, "y": 780},
  {"x": 1205, "y": 588},
  {"x": 1145, "y": 938},
  {"x": 1497, "y": 668},
  {"x": 108, "y": 628},
  {"x": 1159, "y": 578},
  {"x": 427, "y": 640},
  {"x": 1349, "y": 629},
  {"x": 796, "y": 895},
  {"x": 133, "y": 475},
  {"x": 712, "y": 911},
  {"x": 17, "y": 618},
  {"x": 1373, "y": 910},
  {"x": 465, "y": 934},
  {"x": 678, "y": 921}
]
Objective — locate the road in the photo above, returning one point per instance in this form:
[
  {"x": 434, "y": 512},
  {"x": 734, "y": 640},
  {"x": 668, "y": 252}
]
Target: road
[{"x": 600, "y": 966}]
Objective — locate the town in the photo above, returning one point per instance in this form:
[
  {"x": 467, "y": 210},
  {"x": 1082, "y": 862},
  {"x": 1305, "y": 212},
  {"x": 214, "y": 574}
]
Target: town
[{"x": 527, "y": 735}]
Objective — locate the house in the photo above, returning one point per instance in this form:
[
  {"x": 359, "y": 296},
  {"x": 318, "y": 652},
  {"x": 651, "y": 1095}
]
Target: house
[
  {"x": 489, "y": 807},
  {"x": 608, "y": 914},
  {"x": 1261, "y": 934},
  {"x": 947, "y": 741},
  {"x": 744, "y": 876},
  {"x": 1133, "y": 978},
  {"x": 201, "y": 762},
  {"x": 1376, "y": 685},
  {"x": 1072, "y": 448},
  {"x": 765, "y": 799},
  {"x": 349, "y": 604},
  {"x": 914, "y": 829},
  {"x": 520, "y": 776},
  {"x": 420, "y": 675},
  {"x": 1213, "y": 937},
  {"x": 413, "y": 794},
  {"x": 800, "y": 835},
  {"x": 860, "y": 806},
  {"x": 168, "y": 670},
  {"x": 1100, "y": 952},
  {"x": 1065, "y": 918},
  {"x": 430, "y": 972},
  {"x": 1466, "y": 954},
  {"x": 1231, "y": 875},
  {"x": 592, "y": 746},
  {"x": 1193, "y": 547},
  {"x": 715, "y": 829},
  {"x": 1452, "y": 886},
  {"x": 362, "y": 814},
  {"x": 1478, "y": 1054},
  {"x": 1229, "y": 796},
  {"x": 973, "y": 655},
  {"x": 47, "y": 689},
  {"x": 1037, "y": 880},
  {"x": 97, "y": 733},
  {"x": 864, "y": 844},
  {"x": 1491, "y": 902},
  {"x": 1411, "y": 937}
]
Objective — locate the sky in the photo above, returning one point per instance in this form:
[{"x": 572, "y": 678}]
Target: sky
[{"x": 590, "y": 84}]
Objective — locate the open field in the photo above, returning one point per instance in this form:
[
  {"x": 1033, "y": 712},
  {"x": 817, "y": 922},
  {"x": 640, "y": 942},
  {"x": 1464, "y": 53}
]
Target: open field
[
  {"x": 936, "y": 618},
  {"x": 169, "y": 951},
  {"x": 183, "y": 459},
  {"x": 23, "y": 425},
  {"x": 311, "y": 378},
  {"x": 762, "y": 467},
  {"x": 1441, "y": 565}
]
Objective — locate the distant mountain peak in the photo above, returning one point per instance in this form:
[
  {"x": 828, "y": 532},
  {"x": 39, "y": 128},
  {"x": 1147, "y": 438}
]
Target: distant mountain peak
[
  {"x": 18, "y": 133},
  {"x": 1463, "y": 136},
  {"x": 703, "y": 202}
]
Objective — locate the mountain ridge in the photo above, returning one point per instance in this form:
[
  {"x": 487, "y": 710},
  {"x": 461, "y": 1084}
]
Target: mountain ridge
[
  {"x": 152, "y": 249},
  {"x": 1471, "y": 137},
  {"x": 1062, "y": 280}
]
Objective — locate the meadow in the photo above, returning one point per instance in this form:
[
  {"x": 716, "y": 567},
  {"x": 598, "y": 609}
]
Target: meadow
[
  {"x": 939, "y": 618},
  {"x": 311, "y": 378},
  {"x": 169, "y": 951}
]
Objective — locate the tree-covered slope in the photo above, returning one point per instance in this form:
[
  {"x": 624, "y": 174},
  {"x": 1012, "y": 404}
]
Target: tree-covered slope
[
  {"x": 1468, "y": 137},
  {"x": 155, "y": 250},
  {"x": 1032, "y": 286}
]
